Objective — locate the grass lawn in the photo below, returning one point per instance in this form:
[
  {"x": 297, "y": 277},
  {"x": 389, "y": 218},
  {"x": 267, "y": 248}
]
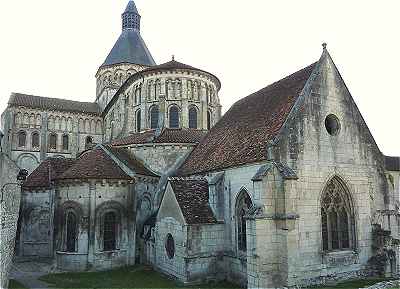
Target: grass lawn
[
  {"x": 15, "y": 285},
  {"x": 129, "y": 277},
  {"x": 355, "y": 284}
]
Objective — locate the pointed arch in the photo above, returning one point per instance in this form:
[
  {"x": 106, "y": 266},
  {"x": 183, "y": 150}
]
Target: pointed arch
[
  {"x": 337, "y": 216},
  {"x": 242, "y": 205}
]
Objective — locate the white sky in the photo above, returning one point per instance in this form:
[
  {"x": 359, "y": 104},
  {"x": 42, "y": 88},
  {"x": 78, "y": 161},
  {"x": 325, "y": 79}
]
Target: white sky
[{"x": 53, "y": 48}]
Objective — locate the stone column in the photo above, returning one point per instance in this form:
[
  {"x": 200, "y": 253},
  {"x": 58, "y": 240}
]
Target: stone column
[
  {"x": 131, "y": 217},
  {"x": 162, "y": 112},
  {"x": 185, "y": 105},
  {"x": 92, "y": 225},
  {"x": 44, "y": 137}
]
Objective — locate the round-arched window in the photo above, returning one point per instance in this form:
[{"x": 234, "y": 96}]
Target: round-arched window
[
  {"x": 332, "y": 124},
  {"x": 170, "y": 246}
]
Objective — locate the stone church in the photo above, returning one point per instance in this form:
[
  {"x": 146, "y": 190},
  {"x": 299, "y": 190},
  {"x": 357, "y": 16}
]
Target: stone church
[{"x": 287, "y": 188}]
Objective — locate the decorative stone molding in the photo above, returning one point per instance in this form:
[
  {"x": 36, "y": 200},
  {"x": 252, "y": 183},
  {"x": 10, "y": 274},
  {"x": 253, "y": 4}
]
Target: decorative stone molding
[{"x": 340, "y": 258}]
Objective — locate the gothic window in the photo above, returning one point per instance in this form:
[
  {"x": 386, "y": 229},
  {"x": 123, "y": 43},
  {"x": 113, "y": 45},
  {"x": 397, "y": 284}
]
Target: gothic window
[
  {"x": 170, "y": 246},
  {"x": 208, "y": 120},
  {"x": 53, "y": 141},
  {"x": 154, "y": 112},
  {"x": 193, "y": 117},
  {"x": 35, "y": 139},
  {"x": 71, "y": 232},
  {"x": 110, "y": 232},
  {"x": 21, "y": 139},
  {"x": 243, "y": 204},
  {"x": 174, "y": 117},
  {"x": 88, "y": 142},
  {"x": 138, "y": 121},
  {"x": 65, "y": 142},
  {"x": 337, "y": 217}
]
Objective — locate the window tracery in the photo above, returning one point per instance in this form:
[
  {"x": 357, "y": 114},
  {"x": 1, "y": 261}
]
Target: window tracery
[{"x": 337, "y": 217}]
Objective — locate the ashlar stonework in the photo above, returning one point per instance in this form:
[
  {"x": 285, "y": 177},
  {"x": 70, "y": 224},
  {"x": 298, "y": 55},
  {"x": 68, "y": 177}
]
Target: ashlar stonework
[{"x": 287, "y": 189}]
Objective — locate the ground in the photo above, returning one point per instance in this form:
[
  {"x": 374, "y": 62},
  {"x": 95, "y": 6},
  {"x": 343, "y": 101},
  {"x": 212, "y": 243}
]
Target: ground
[
  {"x": 355, "y": 284},
  {"x": 35, "y": 275},
  {"x": 129, "y": 277}
]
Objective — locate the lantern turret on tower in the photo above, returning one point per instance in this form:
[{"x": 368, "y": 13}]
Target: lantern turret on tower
[{"x": 128, "y": 56}]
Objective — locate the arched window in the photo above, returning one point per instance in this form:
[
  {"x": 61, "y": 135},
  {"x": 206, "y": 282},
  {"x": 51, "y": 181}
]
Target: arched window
[
  {"x": 65, "y": 142},
  {"x": 209, "y": 120},
  {"x": 138, "y": 121},
  {"x": 35, "y": 139},
  {"x": 53, "y": 141},
  {"x": 21, "y": 139},
  {"x": 243, "y": 204},
  {"x": 71, "y": 232},
  {"x": 337, "y": 217},
  {"x": 170, "y": 246},
  {"x": 88, "y": 142},
  {"x": 154, "y": 112},
  {"x": 192, "y": 117},
  {"x": 110, "y": 232},
  {"x": 174, "y": 117}
]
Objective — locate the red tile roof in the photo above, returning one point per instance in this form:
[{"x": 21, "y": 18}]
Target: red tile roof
[
  {"x": 47, "y": 172},
  {"x": 168, "y": 135},
  {"x": 55, "y": 104},
  {"x": 192, "y": 197},
  {"x": 95, "y": 164},
  {"x": 241, "y": 136}
]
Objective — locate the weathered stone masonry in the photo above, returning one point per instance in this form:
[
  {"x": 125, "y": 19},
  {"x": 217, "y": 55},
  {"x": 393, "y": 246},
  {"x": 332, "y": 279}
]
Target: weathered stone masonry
[{"x": 9, "y": 212}]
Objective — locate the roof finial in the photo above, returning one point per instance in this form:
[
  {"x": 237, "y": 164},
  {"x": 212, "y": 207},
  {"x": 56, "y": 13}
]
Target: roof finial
[
  {"x": 324, "y": 45},
  {"x": 173, "y": 57}
]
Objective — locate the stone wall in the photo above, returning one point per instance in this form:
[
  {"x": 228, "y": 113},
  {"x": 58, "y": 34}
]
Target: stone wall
[
  {"x": 36, "y": 224},
  {"x": 90, "y": 201},
  {"x": 184, "y": 90},
  {"x": 9, "y": 211},
  {"x": 77, "y": 127},
  {"x": 161, "y": 158},
  {"x": 174, "y": 266},
  {"x": 318, "y": 156}
]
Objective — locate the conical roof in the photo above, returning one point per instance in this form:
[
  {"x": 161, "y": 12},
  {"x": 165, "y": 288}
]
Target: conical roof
[
  {"x": 130, "y": 46},
  {"x": 131, "y": 7}
]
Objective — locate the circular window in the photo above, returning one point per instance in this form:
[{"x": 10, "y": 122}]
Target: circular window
[
  {"x": 170, "y": 246},
  {"x": 332, "y": 124}
]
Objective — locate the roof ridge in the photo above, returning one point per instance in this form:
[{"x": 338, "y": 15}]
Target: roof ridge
[
  {"x": 248, "y": 125},
  {"x": 51, "y": 98}
]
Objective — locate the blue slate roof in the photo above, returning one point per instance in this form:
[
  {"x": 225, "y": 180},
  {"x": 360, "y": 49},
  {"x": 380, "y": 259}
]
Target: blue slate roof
[
  {"x": 131, "y": 7},
  {"x": 130, "y": 48}
]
